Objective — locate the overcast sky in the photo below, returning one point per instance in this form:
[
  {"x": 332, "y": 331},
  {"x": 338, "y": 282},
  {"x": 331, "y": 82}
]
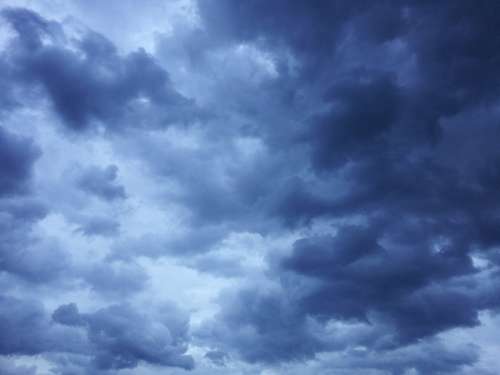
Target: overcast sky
[{"x": 248, "y": 187}]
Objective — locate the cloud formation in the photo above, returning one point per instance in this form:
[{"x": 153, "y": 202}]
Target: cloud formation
[
  {"x": 249, "y": 187},
  {"x": 87, "y": 80},
  {"x": 120, "y": 337}
]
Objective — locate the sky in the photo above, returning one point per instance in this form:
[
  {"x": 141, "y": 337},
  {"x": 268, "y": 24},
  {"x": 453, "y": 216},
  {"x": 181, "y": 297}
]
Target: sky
[{"x": 219, "y": 187}]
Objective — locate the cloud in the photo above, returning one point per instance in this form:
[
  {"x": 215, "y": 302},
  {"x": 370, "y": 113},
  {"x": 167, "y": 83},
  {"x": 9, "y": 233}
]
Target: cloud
[
  {"x": 21, "y": 253},
  {"x": 120, "y": 337},
  {"x": 331, "y": 205},
  {"x": 115, "y": 279},
  {"x": 8, "y": 368},
  {"x": 425, "y": 358},
  {"x": 101, "y": 183},
  {"x": 99, "y": 226},
  {"x": 28, "y": 323},
  {"x": 262, "y": 327},
  {"x": 217, "y": 357},
  {"x": 376, "y": 146},
  {"x": 87, "y": 80},
  {"x": 17, "y": 157},
  {"x": 361, "y": 114},
  {"x": 359, "y": 278}
]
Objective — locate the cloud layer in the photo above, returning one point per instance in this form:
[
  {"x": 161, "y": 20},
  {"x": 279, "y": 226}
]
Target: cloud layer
[{"x": 257, "y": 187}]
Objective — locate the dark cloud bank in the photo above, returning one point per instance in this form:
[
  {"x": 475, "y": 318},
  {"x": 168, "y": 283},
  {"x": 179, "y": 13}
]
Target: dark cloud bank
[{"x": 380, "y": 124}]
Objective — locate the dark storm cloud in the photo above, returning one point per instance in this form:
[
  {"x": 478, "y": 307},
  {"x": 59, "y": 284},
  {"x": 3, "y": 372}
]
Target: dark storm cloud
[
  {"x": 274, "y": 328},
  {"x": 457, "y": 49},
  {"x": 427, "y": 358},
  {"x": 21, "y": 253},
  {"x": 359, "y": 277},
  {"x": 120, "y": 337},
  {"x": 376, "y": 120},
  {"x": 263, "y": 327},
  {"x": 452, "y": 46},
  {"x": 87, "y": 80},
  {"x": 389, "y": 145},
  {"x": 310, "y": 31},
  {"x": 8, "y": 99},
  {"x": 27, "y": 329},
  {"x": 372, "y": 121},
  {"x": 101, "y": 182},
  {"x": 365, "y": 134},
  {"x": 362, "y": 113},
  {"x": 17, "y": 156},
  {"x": 117, "y": 337}
]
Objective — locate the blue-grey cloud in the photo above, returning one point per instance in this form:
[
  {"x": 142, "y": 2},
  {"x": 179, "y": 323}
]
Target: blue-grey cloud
[
  {"x": 115, "y": 279},
  {"x": 101, "y": 183},
  {"x": 30, "y": 325},
  {"x": 8, "y": 368},
  {"x": 263, "y": 327},
  {"x": 17, "y": 156},
  {"x": 99, "y": 226},
  {"x": 378, "y": 150},
  {"x": 218, "y": 357},
  {"x": 356, "y": 140},
  {"x": 93, "y": 83},
  {"x": 120, "y": 337},
  {"x": 22, "y": 254}
]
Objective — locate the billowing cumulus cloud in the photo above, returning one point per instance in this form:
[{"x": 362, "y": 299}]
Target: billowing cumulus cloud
[
  {"x": 28, "y": 330},
  {"x": 257, "y": 187},
  {"x": 121, "y": 337},
  {"x": 87, "y": 80}
]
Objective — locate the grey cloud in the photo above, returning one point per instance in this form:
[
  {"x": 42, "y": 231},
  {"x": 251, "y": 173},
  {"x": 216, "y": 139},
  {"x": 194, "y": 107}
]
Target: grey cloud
[
  {"x": 120, "y": 336},
  {"x": 93, "y": 83},
  {"x": 376, "y": 145},
  {"x": 101, "y": 182},
  {"x": 425, "y": 358},
  {"x": 99, "y": 226},
  {"x": 366, "y": 138},
  {"x": 217, "y": 357},
  {"x": 8, "y": 368},
  {"x": 115, "y": 279},
  {"x": 262, "y": 327},
  {"x": 29, "y": 324},
  {"x": 21, "y": 253},
  {"x": 17, "y": 157}
]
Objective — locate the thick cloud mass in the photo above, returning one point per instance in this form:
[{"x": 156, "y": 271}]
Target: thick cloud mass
[
  {"x": 87, "y": 80},
  {"x": 17, "y": 156},
  {"x": 249, "y": 187},
  {"x": 359, "y": 277},
  {"x": 120, "y": 337}
]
